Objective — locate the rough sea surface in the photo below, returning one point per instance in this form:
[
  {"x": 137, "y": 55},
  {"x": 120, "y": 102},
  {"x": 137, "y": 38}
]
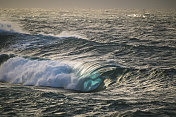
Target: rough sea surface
[{"x": 86, "y": 62}]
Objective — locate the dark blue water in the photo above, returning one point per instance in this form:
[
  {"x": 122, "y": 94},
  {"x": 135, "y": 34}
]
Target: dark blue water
[{"x": 58, "y": 62}]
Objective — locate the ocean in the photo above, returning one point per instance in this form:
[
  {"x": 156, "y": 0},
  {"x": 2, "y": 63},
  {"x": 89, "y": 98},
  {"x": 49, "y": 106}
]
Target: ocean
[{"x": 88, "y": 62}]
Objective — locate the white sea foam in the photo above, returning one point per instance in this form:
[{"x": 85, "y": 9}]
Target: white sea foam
[
  {"x": 67, "y": 34},
  {"x": 38, "y": 73}
]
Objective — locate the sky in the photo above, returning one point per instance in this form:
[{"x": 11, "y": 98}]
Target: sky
[{"x": 144, "y": 4}]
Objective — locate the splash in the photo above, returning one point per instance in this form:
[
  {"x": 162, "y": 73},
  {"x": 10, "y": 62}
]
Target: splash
[{"x": 10, "y": 27}]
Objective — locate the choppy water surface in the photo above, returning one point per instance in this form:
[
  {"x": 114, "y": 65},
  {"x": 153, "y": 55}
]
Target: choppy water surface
[{"x": 78, "y": 62}]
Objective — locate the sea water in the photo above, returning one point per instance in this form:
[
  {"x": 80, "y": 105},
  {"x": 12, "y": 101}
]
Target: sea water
[{"x": 87, "y": 62}]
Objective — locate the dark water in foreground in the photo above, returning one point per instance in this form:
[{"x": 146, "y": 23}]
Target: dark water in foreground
[{"x": 112, "y": 62}]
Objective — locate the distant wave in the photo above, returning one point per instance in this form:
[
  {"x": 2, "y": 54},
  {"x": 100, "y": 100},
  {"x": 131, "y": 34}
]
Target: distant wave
[{"x": 13, "y": 42}]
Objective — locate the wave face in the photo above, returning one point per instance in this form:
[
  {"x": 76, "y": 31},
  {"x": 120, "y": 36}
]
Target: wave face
[{"x": 111, "y": 62}]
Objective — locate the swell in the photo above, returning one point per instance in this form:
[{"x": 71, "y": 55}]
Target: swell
[{"x": 43, "y": 45}]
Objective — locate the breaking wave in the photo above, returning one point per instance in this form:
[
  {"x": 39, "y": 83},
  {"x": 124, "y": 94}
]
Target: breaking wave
[{"x": 53, "y": 73}]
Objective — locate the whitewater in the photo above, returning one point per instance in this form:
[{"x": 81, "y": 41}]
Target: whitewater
[{"x": 87, "y": 62}]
